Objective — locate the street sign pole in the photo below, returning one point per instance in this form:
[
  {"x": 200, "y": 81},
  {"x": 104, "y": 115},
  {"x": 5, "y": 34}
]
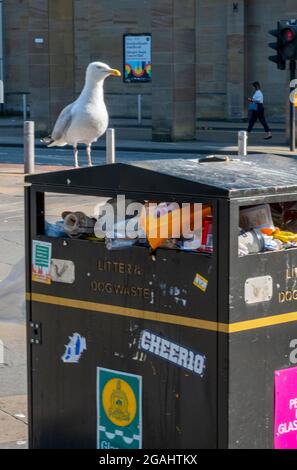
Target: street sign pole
[{"x": 292, "y": 108}]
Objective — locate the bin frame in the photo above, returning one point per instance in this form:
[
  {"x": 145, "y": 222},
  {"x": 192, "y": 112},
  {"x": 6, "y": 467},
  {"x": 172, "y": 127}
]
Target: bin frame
[{"x": 226, "y": 215}]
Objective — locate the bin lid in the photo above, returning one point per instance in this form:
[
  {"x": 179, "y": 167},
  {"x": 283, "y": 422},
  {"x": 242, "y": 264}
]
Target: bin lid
[{"x": 256, "y": 174}]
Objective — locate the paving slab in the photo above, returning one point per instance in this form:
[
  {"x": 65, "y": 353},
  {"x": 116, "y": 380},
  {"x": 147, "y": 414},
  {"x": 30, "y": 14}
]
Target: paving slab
[
  {"x": 13, "y": 422},
  {"x": 13, "y": 376}
]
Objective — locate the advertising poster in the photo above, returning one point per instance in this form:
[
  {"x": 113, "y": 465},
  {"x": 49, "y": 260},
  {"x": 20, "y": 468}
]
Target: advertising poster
[
  {"x": 137, "y": 58},
  {"x": 285, "y": 412},
  {"x": 119, "y": 410}
]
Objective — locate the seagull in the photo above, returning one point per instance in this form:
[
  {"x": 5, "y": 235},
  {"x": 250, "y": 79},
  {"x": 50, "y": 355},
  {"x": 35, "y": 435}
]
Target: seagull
[{"x": 86, "y": 119}]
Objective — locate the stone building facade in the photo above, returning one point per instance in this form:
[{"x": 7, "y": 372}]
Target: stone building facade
[{"x": 204, "y": 55}]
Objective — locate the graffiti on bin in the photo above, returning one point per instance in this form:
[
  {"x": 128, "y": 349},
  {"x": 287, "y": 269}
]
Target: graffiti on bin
[
  {"x": 177, "y": 293},
  {"x": 136, "y": 354}
]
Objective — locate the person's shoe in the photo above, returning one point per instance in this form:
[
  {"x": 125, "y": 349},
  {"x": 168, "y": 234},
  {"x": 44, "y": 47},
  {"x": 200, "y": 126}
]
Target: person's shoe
[{"x": 268, "y": 136}]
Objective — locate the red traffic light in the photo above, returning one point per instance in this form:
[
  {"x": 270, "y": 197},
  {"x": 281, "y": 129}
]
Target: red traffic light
[{"x": 288, "y": 35}]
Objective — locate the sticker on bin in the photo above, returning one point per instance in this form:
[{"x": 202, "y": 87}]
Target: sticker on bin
[
  {"x": 258, "y": 289},
  {"x": 172, "y": 352},
  {"x": 74, "y": 349},
  {"x": 200, "y": 282},
  {"x": 41, "y": 261},
  {"x": 285, "y": 409},
  {"x": 62, "y": 270},
  {"x": 119, "y": 410}
]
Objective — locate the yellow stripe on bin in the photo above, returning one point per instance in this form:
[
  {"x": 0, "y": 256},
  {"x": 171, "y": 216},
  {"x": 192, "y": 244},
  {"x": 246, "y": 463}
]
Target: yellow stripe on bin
[
  {"x": 128, "y": 312},
  {"x": 262, "y": 322},
  {"x": 164, "y": 317}
]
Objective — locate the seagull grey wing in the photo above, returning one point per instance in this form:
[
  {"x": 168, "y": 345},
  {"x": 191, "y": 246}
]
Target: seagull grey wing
[{"x": 63, "y": 123}]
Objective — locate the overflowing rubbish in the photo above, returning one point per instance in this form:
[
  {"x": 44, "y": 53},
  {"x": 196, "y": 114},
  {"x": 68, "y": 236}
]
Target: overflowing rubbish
[
  {"x": 251, "y": 241},
  {"x": 207, "y": 234},
  {"x": 118, "y": 244},
  {"x": 256, "y": 217},
  {"x": 55, "y": 230},
  {"x": 175, "y": 222},
  {"x": 150, "y": 224},
  {"x": 78, "y": 224},
  {"x": 125, "y": 223},
  {"x": 267, "y": 227}
]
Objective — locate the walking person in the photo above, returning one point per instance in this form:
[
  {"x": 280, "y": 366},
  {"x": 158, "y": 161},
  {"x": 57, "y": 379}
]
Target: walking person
[{"x": 256, "y": 110}]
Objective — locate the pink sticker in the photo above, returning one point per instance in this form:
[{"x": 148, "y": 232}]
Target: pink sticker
[{"x": 285, "y": 412}]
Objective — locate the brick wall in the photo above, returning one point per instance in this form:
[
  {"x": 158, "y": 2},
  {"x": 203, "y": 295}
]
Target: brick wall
[{"x": 230, "y": 50}]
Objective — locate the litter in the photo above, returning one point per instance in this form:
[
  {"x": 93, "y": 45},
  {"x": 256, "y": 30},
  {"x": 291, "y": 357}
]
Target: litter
[
  {"x": 78, "y": 224},
  {"x": 266, "y": 228},
  {"x": 153, "y": 225}
]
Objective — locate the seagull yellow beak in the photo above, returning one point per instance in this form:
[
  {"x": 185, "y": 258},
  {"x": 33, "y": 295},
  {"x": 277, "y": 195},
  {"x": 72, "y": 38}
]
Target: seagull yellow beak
[{"x": 115, "y": 72}]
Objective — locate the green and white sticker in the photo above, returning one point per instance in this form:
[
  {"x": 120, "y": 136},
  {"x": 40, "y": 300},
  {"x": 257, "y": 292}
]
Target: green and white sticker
[
  {"x": 41, "y": 261},
  {"x": 119, "y": 410}
]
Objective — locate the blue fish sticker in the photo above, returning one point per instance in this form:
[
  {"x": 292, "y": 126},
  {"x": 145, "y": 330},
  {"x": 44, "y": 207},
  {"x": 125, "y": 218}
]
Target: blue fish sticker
[{"x": 74, "y": 349}]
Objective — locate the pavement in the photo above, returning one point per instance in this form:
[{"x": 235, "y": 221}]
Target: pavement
[
  {"x": 13, "y": 407},
  {"x": 191, "y": 147},
  {"x": 13, "y": 385},
  {"x": 13, "y": 382},
  {"x": 212, "y": 136}
]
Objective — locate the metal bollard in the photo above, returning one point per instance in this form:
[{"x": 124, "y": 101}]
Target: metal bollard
[
  {"x": 110, "y": 146},
  {"x": 242, "y": 143},
  {"x": 29, "y": 147},
  {"x": 139, "y": 109},
  {"x": 24, "y": 106},
  {"x": 1, "y": 92}
]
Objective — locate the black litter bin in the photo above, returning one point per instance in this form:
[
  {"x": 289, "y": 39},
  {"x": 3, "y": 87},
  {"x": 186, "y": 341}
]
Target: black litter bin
[{"x": 168, "y": 349}]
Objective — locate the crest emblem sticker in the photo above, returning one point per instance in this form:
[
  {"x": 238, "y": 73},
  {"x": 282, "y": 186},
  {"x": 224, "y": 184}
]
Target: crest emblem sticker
[{"x": 119, "y": 419}]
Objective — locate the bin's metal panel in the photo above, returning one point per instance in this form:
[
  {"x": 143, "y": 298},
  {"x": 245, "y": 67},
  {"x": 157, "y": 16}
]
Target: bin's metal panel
[
  {"x": 132, "y": 278},
  {"x": 280, "y": 266},
  {"x": 179, "y": 406},
  {"x": 254, "y": 356},
  {"x": 126, "y": 178},
  {"x": 239, "y": 176},
  {"x": 259, "y": 339},
  {"x": 262, "y": 346}
]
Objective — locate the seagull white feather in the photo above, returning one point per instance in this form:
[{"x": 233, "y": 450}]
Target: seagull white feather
[{"x": 86, "y": 119}]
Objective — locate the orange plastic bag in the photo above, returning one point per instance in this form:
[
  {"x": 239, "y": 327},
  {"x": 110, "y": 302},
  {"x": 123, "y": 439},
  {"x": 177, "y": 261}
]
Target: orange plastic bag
[{"x": 170, "y": 224}]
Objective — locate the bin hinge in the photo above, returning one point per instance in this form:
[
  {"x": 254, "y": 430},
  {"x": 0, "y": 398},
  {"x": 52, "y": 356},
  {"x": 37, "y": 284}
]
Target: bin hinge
[{"x": 35, "y": 336}]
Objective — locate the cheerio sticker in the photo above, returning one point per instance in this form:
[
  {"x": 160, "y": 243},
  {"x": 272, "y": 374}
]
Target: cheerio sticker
[{"x": 200, "y": 282}]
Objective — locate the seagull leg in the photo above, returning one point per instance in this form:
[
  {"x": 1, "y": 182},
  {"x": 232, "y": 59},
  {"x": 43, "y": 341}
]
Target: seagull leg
[
  {"x": 75, "y": 154},
  {"x": 88, "y": 148}
]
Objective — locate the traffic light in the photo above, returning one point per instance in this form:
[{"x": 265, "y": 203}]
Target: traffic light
[
  {"x": 281, "y": 63},
  {"x": 286, "y": 44},
  {"x": 288, "y": 36}
]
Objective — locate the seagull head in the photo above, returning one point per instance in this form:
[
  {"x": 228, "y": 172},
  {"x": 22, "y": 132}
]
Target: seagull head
[{"x": 98, "y": 71}]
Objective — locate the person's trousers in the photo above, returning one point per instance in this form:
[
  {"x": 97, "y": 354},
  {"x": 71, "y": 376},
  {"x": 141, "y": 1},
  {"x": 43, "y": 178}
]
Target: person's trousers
[{"x": 259, "y": 114}]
